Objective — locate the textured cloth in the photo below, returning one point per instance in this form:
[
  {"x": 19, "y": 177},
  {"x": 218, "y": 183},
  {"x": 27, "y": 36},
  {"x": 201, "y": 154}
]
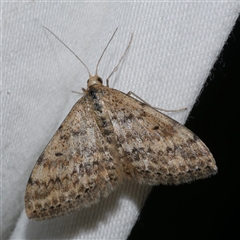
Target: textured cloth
[{"x": 174, "y": 48}]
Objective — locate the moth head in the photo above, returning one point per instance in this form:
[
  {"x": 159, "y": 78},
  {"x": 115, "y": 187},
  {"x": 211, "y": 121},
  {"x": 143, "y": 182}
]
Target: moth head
[{"x": 94, "y": 80}]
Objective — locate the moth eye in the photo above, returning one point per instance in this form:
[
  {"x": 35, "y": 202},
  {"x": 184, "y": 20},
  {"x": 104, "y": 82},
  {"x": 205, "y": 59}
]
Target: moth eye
[{"x": 100, "y": 80}]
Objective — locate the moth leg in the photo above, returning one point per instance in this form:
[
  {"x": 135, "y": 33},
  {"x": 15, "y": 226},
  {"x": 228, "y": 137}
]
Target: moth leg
[
  {"x": 116, "y": 68},
  {"x": 159, "y": 109},
  {"x": 84, "y": 90}
]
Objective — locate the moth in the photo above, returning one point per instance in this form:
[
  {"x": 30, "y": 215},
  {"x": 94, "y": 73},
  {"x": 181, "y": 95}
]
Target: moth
[{"x": 108, "y": 137}]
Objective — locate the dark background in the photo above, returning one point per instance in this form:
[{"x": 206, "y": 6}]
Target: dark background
[{"x": 205, "y": 209}]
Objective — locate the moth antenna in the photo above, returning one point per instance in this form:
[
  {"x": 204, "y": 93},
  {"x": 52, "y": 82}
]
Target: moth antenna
[
  {"x": 104, "y": 51},
  {"x": 116, "y": 68},
  {"x": 69, "y": 50}
]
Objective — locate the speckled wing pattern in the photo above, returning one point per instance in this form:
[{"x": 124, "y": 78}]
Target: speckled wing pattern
[
  {"x": 159, "y": 150},
  {"x": 107, "y": 137}
]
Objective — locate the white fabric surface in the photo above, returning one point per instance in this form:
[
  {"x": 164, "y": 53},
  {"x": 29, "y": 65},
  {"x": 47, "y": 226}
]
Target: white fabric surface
[{"x": 174, "y": 48}]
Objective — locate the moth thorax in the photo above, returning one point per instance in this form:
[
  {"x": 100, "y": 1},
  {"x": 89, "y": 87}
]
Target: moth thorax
[{"x": 94, "y": 80}]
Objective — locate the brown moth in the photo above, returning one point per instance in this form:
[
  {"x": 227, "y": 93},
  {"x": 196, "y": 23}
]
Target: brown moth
[{"x": 108, "y": 137}]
